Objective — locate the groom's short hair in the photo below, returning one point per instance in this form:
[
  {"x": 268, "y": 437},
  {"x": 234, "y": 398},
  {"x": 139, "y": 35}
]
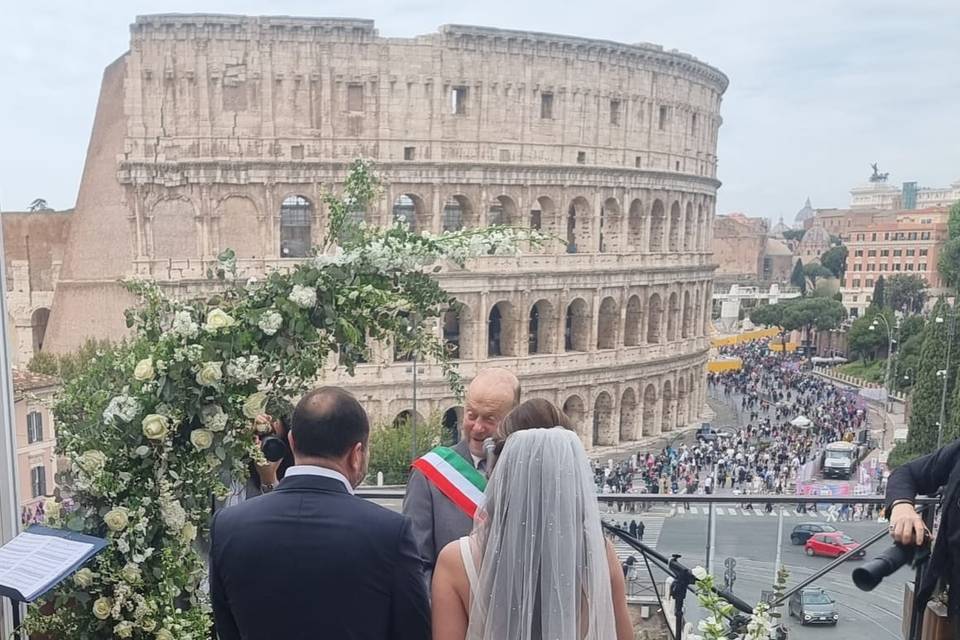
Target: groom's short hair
[{"x": 327, "y": 422}]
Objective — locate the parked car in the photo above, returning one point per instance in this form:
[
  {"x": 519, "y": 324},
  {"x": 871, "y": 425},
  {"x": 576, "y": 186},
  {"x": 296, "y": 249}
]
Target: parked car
[
  {"x": 813, "y": 606},
  {"x": 802, "y": 532},
  {"x": 706, "y": 432},
  {"x": 832, "y": 545}
]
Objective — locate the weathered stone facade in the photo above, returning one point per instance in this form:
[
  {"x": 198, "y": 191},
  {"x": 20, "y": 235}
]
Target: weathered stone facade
[{"x": 224, "y": 131}]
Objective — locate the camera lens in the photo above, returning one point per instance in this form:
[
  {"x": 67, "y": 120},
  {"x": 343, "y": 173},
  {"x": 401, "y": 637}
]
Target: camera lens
[{"x": 273, "y": 448}]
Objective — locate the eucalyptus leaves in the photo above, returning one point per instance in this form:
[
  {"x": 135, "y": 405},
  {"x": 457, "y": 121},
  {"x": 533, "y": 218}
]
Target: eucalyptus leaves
[{"x": 154, "y": 428}]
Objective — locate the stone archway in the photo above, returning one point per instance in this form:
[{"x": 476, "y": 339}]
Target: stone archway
[
  {"x": 607, "y": 320},
  {"x": 628, "y": 415},
  {"x": 38, "y": 323},
  {"x": 604, "y": 433},
  {"x": 541, "y": 328},
  {"x": 452, "y": 421},
  {"x": 654, "y": 318},
  {"x": 633, "y": 322},
  {"x": 574, "y": 408},
  {"x": 610, "y": 216},
  {"x": 689, "y": 235},
  {"x": 686, "y": 330},
  {"x": 578, "y": 225},
  {"x": 649, "y": 417},
  {"x": 682, "y": 398},
  {"x": 636, "y": 226},
  {"x": 658, "y": 223},
  {"x": 451, "y": 333},
  {"x": 673, "y": 316},
  {"x": 701, "y": 230},
  {"x": 502, "y": 211},
  {"x": 457, "y": 214},
  {"x": 410, "y": 208},
  {"x": 577, "y": 331},
  {"x": 675, "y": 227},
  {"x": 405, "y": 418},
  {"x": 238, "y": 226},
  {"x": 502, "y": 331},
  {"x": 668, "y": 420},
  {"x": 543, "y": 215}
]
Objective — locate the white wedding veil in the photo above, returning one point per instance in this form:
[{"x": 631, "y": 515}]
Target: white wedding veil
[{"x": 538, "y": 545}]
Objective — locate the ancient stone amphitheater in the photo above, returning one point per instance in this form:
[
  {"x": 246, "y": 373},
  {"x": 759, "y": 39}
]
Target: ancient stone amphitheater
[{"x": 222, "y": 131}]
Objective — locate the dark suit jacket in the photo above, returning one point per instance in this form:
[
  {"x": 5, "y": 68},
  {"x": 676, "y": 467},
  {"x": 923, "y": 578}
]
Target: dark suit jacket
[
  {"x": 311, "y": 561},
  {"x": 924, "y": 476},
  {"x": 435, "y": 519}
]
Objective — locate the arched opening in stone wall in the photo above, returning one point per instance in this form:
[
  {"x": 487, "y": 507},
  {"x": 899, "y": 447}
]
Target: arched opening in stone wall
[
  {"x": 701, "y": 229},
  {"x": 405, "y": 418},
  {"x": 577, "y": 333},
  {"x": 451, "y": 333},
  {"x": 574, "y": 408},
  {"x": 654, "y": 317},
  {"x": 673, "y": 316},
  {"x": 452, "y": 419},
  {"x": 502, "y": 211},
  {"x": 38, "y": 322},
  {"x": 501, "y": 331},
  {"x": 457, "y": 213},
  {"x": 543, "y": 215},
  {"x": 610, "y": 226},
  {"x": 173, "y": 227},
  {"x": 697, "y": 315},
  {"x": 667, "y": 422},
  {"x": 409, "y": 208},
  {"x": 650, "y": 411},
  {"x": 687, "y": 329},
  {"x": 675, "y": 226},
  {"x": 681, "y": 401},
  {"x": 578, "y": 225},
  {"x": 296, "y": 221},
  {"x": 693, "y": 411},
  {"x": 238, "y": 224},
  {"x": 628, "y": 415},
  {"x": 632, "y": 322},
  {"x": 657, "y": 225},
  {"x": 689, "y": 235},
  {"x": 541, "y": 328},
  {"x": 603, "y": 431},
  {"x": 636, "y": 226},
  {"x": 607, "y": 321}
]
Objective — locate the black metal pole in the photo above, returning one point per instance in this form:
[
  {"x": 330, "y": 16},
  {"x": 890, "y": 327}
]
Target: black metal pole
[
  {"x": 17, "y": 621},
  {"x": 920, "y": 606}
]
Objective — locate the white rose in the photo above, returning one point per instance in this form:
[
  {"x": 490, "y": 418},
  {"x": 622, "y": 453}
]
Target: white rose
[
  {"x": 51, "y": 509},
  {"x": 201, "y": 438},
  {"x": 148, "y": 624},
  {"x": 131, "y": 573},
  {"x": 210, "y": 374},
  {"x": 188, "y": 533},
  {"x": 699, "y": 572},
  {"x": 124, "y": 629},
  {"x": 144, "y": 370},
  {"x": 270, "y": 322},
  {"x": 92, "y": 461},
  {"x": 218, "y": 319},
  {"x": 102, "y": 608},
  {"x": 156, "y": 426},
  {"x": 117, "y": 519},
  {"x": 83, "y": 578},
  {"x": 163, "y": 634},
  {"x": 254, "y": 405},
  {"x": 303, "y": 297}
]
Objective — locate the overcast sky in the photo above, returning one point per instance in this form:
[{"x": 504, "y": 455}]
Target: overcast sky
[{"x": 818, "y": 89}]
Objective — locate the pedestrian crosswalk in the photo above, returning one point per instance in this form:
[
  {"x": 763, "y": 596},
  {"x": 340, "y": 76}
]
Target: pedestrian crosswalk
[
  {"x": 653, "y": 524},
  {"x": 758, "y": 511}
]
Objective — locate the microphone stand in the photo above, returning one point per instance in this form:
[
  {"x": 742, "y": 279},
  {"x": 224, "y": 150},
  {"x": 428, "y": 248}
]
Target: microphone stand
[{"x": 683, "y": 577}]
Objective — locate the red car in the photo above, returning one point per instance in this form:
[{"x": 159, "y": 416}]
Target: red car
[{"x": 832, "y": 545}]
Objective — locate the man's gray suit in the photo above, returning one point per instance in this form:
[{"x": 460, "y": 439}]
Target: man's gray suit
[{"x": 436, "y": 521}]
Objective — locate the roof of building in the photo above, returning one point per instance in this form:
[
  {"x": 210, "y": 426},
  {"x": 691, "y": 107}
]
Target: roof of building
[
  {"x": 24, "y": 380},
  {"x": 779, "y": 228},
  {"x": 777, "y": 248},
  {"x": 806, "y": 212}
]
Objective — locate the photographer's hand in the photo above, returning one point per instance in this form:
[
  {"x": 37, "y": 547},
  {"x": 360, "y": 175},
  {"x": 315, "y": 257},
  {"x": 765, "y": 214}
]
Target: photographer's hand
[{"x": 907, "y": 526}]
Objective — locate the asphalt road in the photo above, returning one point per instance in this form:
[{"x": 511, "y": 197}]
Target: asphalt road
[{"x": 752, "y": 542}]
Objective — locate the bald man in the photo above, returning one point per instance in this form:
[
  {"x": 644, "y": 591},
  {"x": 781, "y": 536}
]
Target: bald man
[{"x": 439, "y": 516}]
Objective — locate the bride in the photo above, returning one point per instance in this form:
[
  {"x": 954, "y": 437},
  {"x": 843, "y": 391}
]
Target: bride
[{"x": 536, "y": 566}]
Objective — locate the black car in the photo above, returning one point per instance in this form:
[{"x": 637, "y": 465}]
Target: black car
[{"x": 802, "y": 532}]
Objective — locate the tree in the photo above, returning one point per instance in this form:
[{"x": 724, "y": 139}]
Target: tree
[
  {"x": 770, "y": 315},
  {"x": 794, "y": 234},
  {"x": 835, "y": 259},
  {"x": 39, "y": 205},
  {"x": 798, "y": 278},
  {"x": 390, "y": 447},
  {"x": 906, "y": 292},
  {"x": 813, "y": 271},
  {"x": 949, "y": 260},
  {"x": 807, "y": 314},
  {"x": 863, "y": 341},
  {"x": 878, "y": 299}
]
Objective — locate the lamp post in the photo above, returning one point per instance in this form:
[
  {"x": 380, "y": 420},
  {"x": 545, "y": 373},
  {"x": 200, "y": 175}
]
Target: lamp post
[
  {"x": 892, "y": 335},
  {"x": 945, "y": 374}
]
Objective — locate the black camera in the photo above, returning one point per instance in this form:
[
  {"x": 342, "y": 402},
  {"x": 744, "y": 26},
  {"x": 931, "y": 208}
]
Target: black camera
[
  {"x": 872, "y": 572},
  {"x": 274, "y": 448}
]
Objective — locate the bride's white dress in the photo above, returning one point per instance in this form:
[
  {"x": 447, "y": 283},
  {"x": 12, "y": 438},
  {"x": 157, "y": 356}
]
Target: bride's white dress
[{"x": 536, "y": 561}]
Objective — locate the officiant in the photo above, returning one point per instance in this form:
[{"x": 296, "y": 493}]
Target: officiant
[{"x": 447, "y": 483}]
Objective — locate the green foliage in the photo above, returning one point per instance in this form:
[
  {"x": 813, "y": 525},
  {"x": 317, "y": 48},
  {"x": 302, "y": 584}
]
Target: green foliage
[
  {"x": 949, "y": 260},
  {"x": 865, "y": 342},
  {"x": 873, "y": 371},
  {"x": 391, "y": 451},
  {"x": 794, "y": 234},
  {"x": 835, "y": 259},
  {"x": 153, "y": 427},
  {"x": 901, "y": 454},
  {"x": 814, "y": 271},
  {"x": 878, "y": 299},
  {"x": 44, "y": 362},
  {"x": 821, "y": 314},
  {"x": 906, "y": 292},
  {"x": 767, "y": 315},
  {"x": 69, "y": 365},
  {"x": 798, "y": 278}
]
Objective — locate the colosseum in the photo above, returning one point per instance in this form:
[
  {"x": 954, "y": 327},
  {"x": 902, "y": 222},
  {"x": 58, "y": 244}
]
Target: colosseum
[{"x": 223, "y": 131}]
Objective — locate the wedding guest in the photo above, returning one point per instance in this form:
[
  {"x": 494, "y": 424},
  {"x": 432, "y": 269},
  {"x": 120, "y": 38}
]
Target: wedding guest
[
  {"x": 536, "y": 566},
  {"x": 437, "y": 516},
  {"x": 310, "y": 559}
]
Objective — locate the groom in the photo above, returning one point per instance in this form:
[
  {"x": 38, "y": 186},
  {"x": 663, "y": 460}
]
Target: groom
[
  {"x": 311, "y": 560},
  {"x": 438, "y": 511}
]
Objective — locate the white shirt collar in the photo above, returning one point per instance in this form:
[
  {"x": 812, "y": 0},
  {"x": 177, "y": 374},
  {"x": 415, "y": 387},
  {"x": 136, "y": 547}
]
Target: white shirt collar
[
  {"x": 313, "y": 470},
  {"x": 476, "y": 460}
]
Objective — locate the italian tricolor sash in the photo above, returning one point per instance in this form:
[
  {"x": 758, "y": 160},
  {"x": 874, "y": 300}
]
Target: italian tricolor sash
[{"x": 454, "y": 477}]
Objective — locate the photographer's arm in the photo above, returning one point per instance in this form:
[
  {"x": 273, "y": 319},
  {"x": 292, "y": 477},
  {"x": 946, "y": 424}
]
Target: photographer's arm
[{"x": 922, "y": 476}]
